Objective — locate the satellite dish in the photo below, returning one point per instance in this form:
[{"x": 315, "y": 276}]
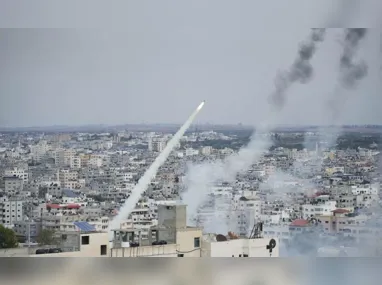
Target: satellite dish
[
  {"x": 272, "y": 243},
  {"x": 221, "y": 238}
]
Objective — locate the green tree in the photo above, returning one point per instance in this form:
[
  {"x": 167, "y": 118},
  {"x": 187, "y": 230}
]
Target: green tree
[
  {"x": 47, "y": 237},
  {"x": 8, "y": 238}
]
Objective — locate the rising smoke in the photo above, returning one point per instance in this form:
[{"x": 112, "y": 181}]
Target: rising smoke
[
  {"x": 201, "y": 177},
  {"x": 300, "y": 71},
  {"x": 352, "y": 71}
]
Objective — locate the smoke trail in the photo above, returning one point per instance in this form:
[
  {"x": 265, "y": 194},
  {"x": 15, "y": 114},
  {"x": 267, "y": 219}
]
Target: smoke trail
[
  {"x": 143, "y": 183},
  {"x": 201, "y": 177},
  {"x": 351, "y": 71},
  {"x": 300, "y": 71}
]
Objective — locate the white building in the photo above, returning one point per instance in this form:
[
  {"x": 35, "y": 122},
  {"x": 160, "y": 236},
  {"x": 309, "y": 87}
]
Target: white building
[
  {"x": 319, "y": 209},
  {"x": 247, "y": 211},
  {"x": 239, "y": 248},
  {"x": 207, "y": 150},
  {"x": 191, "y": 152},
  {"x": 39, "y": 150}
]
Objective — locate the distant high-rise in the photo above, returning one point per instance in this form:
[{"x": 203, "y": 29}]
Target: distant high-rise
[{"x": 157, "y": 144}]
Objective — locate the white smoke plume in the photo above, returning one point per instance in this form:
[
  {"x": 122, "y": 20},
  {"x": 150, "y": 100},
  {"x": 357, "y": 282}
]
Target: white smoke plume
[
  {"x": 145, "y": 180},
  {"x": 201, "y": 177}
]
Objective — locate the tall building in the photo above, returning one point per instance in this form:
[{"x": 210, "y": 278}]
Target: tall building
[
  {"x": 11, "y": 211},
  {"x": 157, "y": 144}
]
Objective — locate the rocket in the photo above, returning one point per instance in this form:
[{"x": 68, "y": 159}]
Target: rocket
[{"x": 201, "y": 105}]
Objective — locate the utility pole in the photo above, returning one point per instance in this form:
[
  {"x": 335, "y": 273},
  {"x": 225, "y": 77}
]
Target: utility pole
[{"x": 29, "y": 233}]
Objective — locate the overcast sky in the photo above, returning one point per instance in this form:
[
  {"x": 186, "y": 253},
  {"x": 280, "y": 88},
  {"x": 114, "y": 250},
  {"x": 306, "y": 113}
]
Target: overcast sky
[{"x": 155, "y": 61}]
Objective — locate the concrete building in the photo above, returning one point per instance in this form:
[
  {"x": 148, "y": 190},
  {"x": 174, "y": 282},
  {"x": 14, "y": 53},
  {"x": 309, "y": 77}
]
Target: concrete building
[
  {"x": 243, "y": 247},
  {"x": 324, "y": 209},
  {"x": 13, "y": 184},
  {"x": 170, "y": 238},
  {"x": 77, "y": 244},
  {"x": 17, "y": 172},
  {"x": 11, "y": 211},
  {"x": 39, "y": 151},
  {"x": 157, "y": 145},
  {"x": 27, "y": 230}
]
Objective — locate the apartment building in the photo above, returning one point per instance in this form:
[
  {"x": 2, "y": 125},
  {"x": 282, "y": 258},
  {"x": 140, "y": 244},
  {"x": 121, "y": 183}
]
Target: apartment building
[
  {"x": 13, "y": 184},
  {"x": 66, "y": 221},
  {"x": 11, "y": 211},
  {"x": 27, "y": 229},
  {"x": 170, "y": 238},
  {"x": 39, "y": 151},
  {"x": 157, "y": 144},
  {"x": 18, "y": 172},
  {"x": 75, "y": 162},
  {"x": 67, "y": 178},
  {"x": 340, "y": 221},
  {"x": 248, "y": 211},
  {"x": 324, "y": 209},
  {"x": 54, "y": 189},
  {"x": 62, "y": 157}
]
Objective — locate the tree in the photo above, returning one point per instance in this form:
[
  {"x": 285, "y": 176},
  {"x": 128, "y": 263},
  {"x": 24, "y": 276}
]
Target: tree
[
  {"x": 8, "y": 238},
  {"x": 47, "y": 237}
]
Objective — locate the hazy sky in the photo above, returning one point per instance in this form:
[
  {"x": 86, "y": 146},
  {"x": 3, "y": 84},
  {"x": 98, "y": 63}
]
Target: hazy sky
[{"x": 155, "y": 61}]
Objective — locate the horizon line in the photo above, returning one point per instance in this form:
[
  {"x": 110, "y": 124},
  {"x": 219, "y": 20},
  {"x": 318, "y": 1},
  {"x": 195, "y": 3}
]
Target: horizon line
[{"x": 239, "y": 125}]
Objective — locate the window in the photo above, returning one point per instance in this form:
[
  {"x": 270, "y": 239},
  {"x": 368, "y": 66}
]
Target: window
[
  {"x": 84, "y": 240},
  {"x": 196, "y": 242},
  {"x": 103, "y": 249},
  {"x": 180, "y": 255},
  {"x": 245, "y": 255},
  {"x": 239, "y": 255}
]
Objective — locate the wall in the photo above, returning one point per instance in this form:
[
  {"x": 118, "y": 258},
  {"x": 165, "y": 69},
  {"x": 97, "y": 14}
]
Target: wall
[
  {"x": 172, "y": 216},
  {"x": 168, "y": 250},
  {"x": 234, "y": 248},
  {"x": 15, "y": 252},
  {"x": 185, "y": 240},
  {"x": 95, "y": 242},
  {"x": 93, "y": 249}
]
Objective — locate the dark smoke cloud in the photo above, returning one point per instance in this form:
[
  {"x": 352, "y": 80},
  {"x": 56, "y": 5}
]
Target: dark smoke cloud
[
  {"x": 301, "y": 70},
  {"x": 351, "y": 71}
]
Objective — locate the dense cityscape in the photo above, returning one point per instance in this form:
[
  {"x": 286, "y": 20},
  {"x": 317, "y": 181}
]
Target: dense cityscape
[
  {"x": 59, "y": 193},
  {"x": 139, "y": 129}
]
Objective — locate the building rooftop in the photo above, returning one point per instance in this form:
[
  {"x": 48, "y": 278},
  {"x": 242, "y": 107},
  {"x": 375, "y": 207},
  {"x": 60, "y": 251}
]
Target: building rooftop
[
  {"x": 69, "y": 193},
  {"x": 340, "y": 211},
  {"x": 299, "y": 223},
  {"x": 84, "y": 227}
]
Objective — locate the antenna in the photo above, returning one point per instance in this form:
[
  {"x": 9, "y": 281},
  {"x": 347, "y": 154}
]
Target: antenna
[{"x": 256, "y": 231}]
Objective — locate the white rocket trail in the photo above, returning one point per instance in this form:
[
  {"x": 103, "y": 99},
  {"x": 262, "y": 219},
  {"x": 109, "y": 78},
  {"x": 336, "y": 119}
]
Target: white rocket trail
[{"x": 145, "y": 180}]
